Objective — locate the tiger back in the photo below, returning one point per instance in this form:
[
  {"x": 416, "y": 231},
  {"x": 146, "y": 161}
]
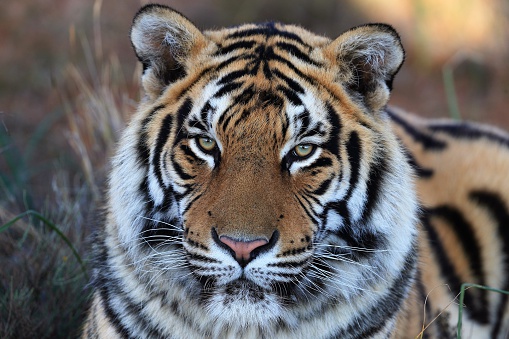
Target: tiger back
[{"x": 263, "y": 189}]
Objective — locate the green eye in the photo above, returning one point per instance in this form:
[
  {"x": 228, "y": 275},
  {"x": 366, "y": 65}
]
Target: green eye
[
  {"x": 303, "y": 151},
  {"x": 206, "y": 144}
]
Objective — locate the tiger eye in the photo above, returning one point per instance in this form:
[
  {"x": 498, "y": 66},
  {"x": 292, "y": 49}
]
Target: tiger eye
[
  {"x": 304, "y": 150},
  {"x": 206, "y": 144}
]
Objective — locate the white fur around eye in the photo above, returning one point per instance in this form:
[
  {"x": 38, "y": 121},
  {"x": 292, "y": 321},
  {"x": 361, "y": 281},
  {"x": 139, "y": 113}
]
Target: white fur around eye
[
  {"x": 193, "y": 144},
  {"x": 296, "y": 165}
]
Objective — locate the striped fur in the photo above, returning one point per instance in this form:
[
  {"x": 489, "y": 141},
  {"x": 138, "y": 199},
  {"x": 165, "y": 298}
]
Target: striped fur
[{"x": 348, "y": 251}]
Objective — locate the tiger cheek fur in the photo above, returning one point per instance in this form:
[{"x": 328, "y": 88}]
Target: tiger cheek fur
[{"x": 263, "y": 189}]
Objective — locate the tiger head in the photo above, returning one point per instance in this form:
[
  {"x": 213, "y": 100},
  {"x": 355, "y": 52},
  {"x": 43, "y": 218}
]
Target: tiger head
[{"x": 259, "y": 179}]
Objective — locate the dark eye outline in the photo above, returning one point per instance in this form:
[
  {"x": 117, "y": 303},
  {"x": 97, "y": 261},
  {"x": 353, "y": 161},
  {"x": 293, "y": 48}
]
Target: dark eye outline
[
  {"x": 292, "y": 156},
  {"x": 312, "y": 149},
  {"x": 206, "y": 149}
]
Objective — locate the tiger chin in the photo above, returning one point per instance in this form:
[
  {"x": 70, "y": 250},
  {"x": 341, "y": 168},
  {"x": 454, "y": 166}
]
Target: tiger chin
[{"x": 264, "y": 189}]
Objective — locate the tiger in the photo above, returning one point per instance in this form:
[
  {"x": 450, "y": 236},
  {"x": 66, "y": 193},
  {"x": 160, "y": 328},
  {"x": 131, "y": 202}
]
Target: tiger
[{"x": 264, "y": 188}]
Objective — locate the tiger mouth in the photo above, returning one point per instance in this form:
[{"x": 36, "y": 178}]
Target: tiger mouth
[{"x": 245, "y": 290}]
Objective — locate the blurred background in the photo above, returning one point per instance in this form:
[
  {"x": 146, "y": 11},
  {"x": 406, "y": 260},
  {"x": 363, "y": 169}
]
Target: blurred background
[{"x": 69, "y": 81}]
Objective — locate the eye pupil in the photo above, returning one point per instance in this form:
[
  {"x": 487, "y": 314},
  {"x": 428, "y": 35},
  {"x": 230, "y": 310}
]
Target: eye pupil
[
  {"x": 303, "y": 150},
  {"x": 207, "y": 144}
]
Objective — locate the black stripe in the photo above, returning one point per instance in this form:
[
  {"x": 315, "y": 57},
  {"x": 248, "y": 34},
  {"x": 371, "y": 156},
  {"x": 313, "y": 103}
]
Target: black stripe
[
  {"x": 142, "y": 147},
  {"x": 426, "y": 140},
  {"x": 226, "y": 121},
  {"x": 135, "y": 310},
  {"x": 191, "y": 202},
  {"x": 290, "y": 65},
  {"x": 180, "y": 171},
  {"x": 102, "y": 281},
  {"x": 422, "y": 172},
  {"x": 269, "y": 30},
  {"x": 228, "y": 62},
  {"x": 245, "y": 114},
  {"x": 495, "y": 205},
  {"x": 205, "y": 111},
  {"x": 466, "y": 130},
  {"x": 143, "y": 187},
  {"x": 310, "y": 199},
  {"x": 225, "y": 117},
  {"x": 290, "y": 95},
  {"x": 447, "y": 269},
  {"x": 267, "y": 70},
  {"x": 159, "y": 232},
  {"x": 354, "y": 153},
  {"x": 235, "y": 75},
  {"x": 472, "y": 250},
  {"x": 373, "y": 320},
  {"x": 205, "y": 72},
  {"x": 245, "y": 96},
  {"x": 113, "y": 317},
  {"x": 289, "y": 264},
  {"x": 465, "y": 233},
  {"x": 333, "y": 142},
  {"x": 197, "y": 124},
  {"x": 321, "y": 162},
  {"x": 318, "y": 268},
  {"x": 296, "y": 52},
  {"x": 340, "y": 208},
  {"x": 376, "y": 181},
  {"x": 109, "y": 286},
  {"x": 305, "y": 119},
  {"x": 317, "y": 130},
  {"x": 182, "y": 114},
  {"x": 294, "y": 85},
  {"x": 190, "y": 156},
  {"x": 355, "y": 236},
  {"x": 324, "y": 186},
  {"x": 243, "y": 44},
  {"x": 306, "y": 210},
  {"x": 169, "y": 198},
  {"x": 227, "y": 89},
  {"x": 162, "y": 138},
  {"x": 203, "y": 259}
]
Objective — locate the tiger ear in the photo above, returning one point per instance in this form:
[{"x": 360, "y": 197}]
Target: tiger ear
[
  {"x": 369, "y": 57},
  {"x": 163, "y": 40}
]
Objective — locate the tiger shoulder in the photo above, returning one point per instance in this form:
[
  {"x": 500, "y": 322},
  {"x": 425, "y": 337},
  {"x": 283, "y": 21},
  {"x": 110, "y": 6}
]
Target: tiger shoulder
[{"x": 264, "y": 189}]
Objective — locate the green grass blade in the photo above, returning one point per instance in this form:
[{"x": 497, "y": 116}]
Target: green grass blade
[
  {"x": 450, "y": 92},
  {"x": 464, "y": 287},
  {"x": 52, "y": 226}
]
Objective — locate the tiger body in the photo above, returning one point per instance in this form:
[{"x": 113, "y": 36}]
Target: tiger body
[{"x": 263, "y": 189}]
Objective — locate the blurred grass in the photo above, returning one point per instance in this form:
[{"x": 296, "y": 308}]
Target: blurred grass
[
  {"x": 46, "y": 220},
  {"x": 450, "y": 92},
  {"x": 52, "y": 226}
]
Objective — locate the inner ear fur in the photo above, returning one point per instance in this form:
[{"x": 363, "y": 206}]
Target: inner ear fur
[
  {"x": 368, "y": 57},
  {"x": 163, "y": 40}
]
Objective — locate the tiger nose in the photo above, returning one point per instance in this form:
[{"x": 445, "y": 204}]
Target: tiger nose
[
  {"x": 242, "y": 249},
  {"x": 245, "y": 250}
]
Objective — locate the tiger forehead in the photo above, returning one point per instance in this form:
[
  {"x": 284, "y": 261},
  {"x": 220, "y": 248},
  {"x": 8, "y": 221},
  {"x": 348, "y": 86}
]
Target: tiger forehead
[
  {"x": 260, "y": 87},
  {"x": 262, "y": 117},
  {"x": 267, "y": 33},
  {"x": 261, "y": 49}
]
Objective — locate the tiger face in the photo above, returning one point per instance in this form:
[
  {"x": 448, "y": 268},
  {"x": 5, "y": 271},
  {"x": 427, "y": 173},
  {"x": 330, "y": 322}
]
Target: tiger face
[{"x": 267, "y": 188}]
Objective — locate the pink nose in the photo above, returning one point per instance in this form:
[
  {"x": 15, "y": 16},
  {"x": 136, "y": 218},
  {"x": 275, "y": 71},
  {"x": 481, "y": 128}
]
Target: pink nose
[{"x": 242, "y": 249}]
